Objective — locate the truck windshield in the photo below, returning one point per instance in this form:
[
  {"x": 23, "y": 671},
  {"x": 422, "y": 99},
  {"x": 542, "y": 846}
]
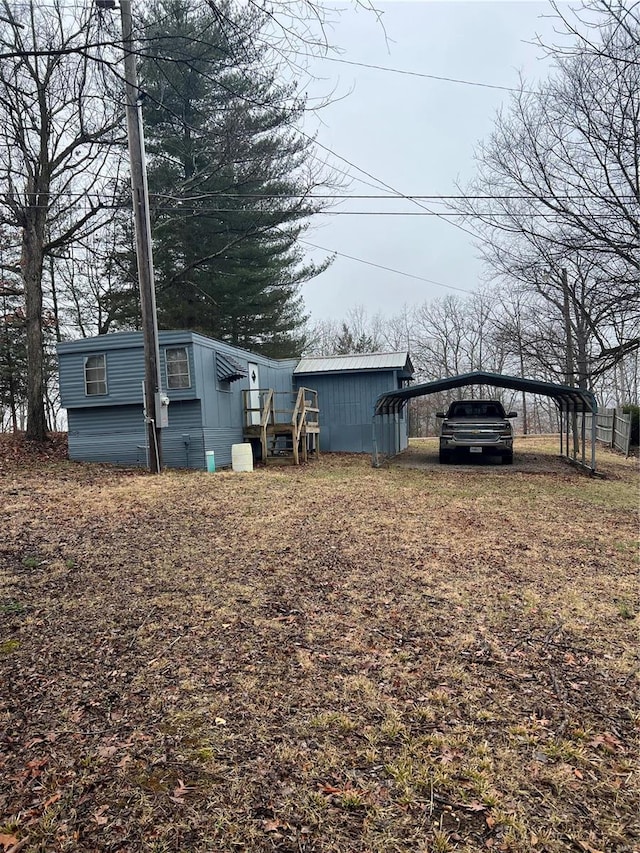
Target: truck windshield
[{"x": 476, "y": 409}]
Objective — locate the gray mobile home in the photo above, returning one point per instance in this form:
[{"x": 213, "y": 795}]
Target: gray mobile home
[
  {"x": 214, "y": 390},
  {"x": 101, "y": 388}
]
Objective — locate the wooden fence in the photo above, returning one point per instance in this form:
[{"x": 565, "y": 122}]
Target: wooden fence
[{"x": 613, "y": 428}]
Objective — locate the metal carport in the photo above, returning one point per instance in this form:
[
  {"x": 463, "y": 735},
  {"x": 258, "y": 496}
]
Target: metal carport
[{"x": 570, "y": 401}]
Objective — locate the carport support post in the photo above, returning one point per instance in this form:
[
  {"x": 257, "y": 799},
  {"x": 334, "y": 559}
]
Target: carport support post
[
  {"x": 561, "y": 431},
  {"x": 584, "y": 438},
  {"x": 567, "y": 425},
  {"x": 396, "y": 418},
  {"x": 594, "y": 426},
  {"x": 374, "y": 442}
]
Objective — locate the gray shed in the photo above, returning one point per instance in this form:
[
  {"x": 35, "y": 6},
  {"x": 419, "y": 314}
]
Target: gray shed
[{"x": 348, "y": 387}]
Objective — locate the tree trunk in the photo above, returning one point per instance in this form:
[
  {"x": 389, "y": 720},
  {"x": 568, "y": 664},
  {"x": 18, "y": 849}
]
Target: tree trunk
[{"x": 32, "y": 257}]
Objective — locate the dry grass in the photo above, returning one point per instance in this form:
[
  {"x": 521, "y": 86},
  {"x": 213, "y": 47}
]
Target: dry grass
[{"x": 331, "y": 658}]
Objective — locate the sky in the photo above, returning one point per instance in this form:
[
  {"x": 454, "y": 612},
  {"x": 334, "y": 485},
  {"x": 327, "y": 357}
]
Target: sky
[{"x": 415, "y": 134}]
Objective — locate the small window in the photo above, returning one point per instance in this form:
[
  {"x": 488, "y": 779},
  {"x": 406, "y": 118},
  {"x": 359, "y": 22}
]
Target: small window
[
  {"x": 177, "y": 368},
  {"x": 95, "y": 375}
]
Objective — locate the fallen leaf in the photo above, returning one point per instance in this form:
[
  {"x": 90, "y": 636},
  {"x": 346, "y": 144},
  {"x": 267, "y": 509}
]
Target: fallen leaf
[
  {"x": 220, "y": 721},
  {"x": 99, "y": 816},
  {"x": 578, "y": 773},
  {"x": 179, "y": 792},
  {"x": 587, "y": 847},
  {"x": 448, "y": 755},
  {"x": 273, "y": 825},
  {"x": 606, "y": 740},
  {"x": 473, "y": 806},
  {"x": 8, "y": 841},
  {"x": 53, "y": 799}
]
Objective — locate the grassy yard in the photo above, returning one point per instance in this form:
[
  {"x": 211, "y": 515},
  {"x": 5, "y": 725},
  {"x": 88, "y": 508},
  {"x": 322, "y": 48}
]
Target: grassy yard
[{"x": 330, "y": 658}]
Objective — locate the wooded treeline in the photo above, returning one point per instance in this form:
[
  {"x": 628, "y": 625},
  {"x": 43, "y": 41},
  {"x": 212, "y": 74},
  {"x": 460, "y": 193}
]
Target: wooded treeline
[
  {"x": 231, "y": 178},
  {"x": 554, "y": 206},
  {"x": 493, "y": 330}
]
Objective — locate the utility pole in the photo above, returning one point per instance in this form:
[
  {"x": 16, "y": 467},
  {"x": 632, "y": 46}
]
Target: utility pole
[{"x": 154, "y": 402}]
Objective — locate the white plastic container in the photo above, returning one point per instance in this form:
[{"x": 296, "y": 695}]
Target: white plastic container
[{"x": 242, "y": 457}]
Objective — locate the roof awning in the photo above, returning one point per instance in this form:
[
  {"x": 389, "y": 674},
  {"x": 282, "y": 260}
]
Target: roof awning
[
  {"x": 228, "y": 369},
  {"x": 566, "y": 397}
]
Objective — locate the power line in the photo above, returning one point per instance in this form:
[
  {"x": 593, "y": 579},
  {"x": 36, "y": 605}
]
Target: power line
[
  {"x": 383, "y": 267},
  {"x": 192, "y": 199},
  {"x": 387, "y": 197},
  {"x": 419, "y": 74},
  {"x": 384, "y": 184}
]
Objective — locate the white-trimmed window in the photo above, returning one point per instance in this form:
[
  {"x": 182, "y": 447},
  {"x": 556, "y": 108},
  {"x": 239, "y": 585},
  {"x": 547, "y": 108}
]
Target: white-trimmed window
[
  {"x": 95, "y": 375},
  {"x": 177, "y": 359}
]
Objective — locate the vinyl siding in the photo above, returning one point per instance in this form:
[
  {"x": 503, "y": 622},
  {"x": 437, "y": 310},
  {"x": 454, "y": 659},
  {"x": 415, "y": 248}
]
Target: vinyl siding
[
  {"x": 125, "y": 373},
  {"x": 220, "y": 441},
  {"x": 117, "y": 435},
  {"x": 346, "y": 404},
  {"x": 223, "y": 409},
  {"x": 203, "y": 417}
]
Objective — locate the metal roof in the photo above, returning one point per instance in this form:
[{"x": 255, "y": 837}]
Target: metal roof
[
  {"x": 565, "y": 396},
  {"x": 367, "y": 361}
]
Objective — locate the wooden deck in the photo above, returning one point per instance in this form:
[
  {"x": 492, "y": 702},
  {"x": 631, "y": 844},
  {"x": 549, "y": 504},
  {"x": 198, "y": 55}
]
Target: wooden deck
[{"x": 286, "y": 423}]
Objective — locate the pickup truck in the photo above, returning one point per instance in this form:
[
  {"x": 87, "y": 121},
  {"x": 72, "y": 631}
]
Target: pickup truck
[{"x": 476, "y": 427}]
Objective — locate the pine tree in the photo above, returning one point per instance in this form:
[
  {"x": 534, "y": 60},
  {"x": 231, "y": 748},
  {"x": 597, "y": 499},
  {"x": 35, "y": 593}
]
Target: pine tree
[{"x": 228, "y": 178}]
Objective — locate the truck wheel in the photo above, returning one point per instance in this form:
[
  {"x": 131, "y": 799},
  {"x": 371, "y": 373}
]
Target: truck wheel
[
  {"x": 507, "y": 459},
  {"x": 445, "y": 457}
]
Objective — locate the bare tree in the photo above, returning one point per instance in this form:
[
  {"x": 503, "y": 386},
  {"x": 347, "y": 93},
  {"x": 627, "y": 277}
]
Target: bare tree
[
  {"x": 56, "y": 129},
  {"x": 560, "y": 183}
]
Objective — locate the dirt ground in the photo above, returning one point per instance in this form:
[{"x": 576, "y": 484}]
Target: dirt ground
[
  {"x": 423, "y": 453},
  {"x": 331, "y": 658}
]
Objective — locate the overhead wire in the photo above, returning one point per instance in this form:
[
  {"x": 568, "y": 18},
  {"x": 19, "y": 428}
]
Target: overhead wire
[
  {"x": 383, "y": 267},
  {"x": 397, "y": 194},
  {"x": 420, "y": 74}
]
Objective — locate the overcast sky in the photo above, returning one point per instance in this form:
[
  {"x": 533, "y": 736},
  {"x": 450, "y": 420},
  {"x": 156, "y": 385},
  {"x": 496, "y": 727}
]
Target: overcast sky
[{"x": 415, "y": 134}]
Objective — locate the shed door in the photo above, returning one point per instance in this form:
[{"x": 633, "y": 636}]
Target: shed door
[{"x": 254, "y": 394}]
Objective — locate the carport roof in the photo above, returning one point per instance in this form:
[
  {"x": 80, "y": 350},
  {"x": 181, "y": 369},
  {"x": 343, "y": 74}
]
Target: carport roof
[{"x": 565, "y": 396}]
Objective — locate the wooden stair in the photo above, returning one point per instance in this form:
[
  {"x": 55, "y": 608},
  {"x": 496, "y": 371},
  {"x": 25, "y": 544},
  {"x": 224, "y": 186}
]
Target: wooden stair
[{"x": 288, "y": 429}]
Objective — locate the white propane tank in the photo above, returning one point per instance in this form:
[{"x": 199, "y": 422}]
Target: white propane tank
[{"x": 242, "y": 457}]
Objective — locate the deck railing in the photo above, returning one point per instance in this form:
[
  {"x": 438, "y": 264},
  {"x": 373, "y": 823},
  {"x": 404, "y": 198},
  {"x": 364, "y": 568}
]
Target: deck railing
[{"x": 295, "y": 413}]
